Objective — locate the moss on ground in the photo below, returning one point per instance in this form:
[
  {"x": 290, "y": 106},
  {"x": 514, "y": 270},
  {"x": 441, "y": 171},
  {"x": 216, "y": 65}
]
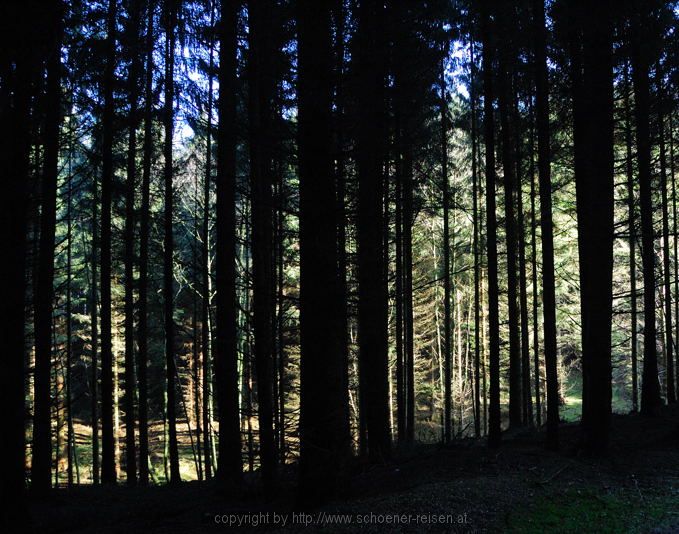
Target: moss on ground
[{"x": 588, "y": 511}]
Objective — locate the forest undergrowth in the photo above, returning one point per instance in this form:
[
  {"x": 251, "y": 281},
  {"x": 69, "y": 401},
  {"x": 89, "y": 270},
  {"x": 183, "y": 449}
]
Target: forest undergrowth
[{"x": 461, "y": 487}]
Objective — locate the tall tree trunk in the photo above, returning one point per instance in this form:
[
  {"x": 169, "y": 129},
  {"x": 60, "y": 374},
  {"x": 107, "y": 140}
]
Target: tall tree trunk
[
  {"x": 546, "y": 232},
  {"x": 447, "y": 396},
  {"x": 676, "y": 245},
  {"x": 398, "y": 297},
  {"x": 509, "y": 181},
  {"x": 226, "y": 357},
  {"x": 261, "y": 179},
  {"x": 142, "y": 330},
  {"x": 403, "y": 110},
  {"x": 323, "y": 443},
  {"x": 650, "y": 389},
  {"x": 279, "y": 358},
  {"x": 629, "y": 170},
  {"x": 408, "y": 320},
  {"x": 14, "y": 160},
  {"x": 206, "y": 341},
  {"x": 476, "y": 251},
  {"x": 44, "y": 293},
  {"x": 372, "y": 305},
  {"x": 342, "y": 212},
  {"x": 195, "y": 333},
  {"x": 170, "y": 19},
  {"x": 108, "y": 462},
  {"x": 447, "y": 403},
  {"x": 94, "y": 336},
  {"x": 526, "y": 398},
  {"x": 669, "y": 344},
  {"x": 129, "y": 395},
  {"x": 593, "y": 103},
  {"x": 534, "y": 283},
  {"x": 494, "y": 420},
  {"x": 70, "y": 434}
]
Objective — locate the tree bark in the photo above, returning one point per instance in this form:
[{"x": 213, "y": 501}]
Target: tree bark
[
  {"x": 593, "y": 134},
  {"x": 41, "y": 460},
  {"x": 494, "y": 420},
  {"x": 226, "y": 357},
  {"x": 629, "y": 171},
  {"x": 669, "y": 343},
  {"x": 261, "y": 180},
  {"x": 18, "y": 69},
  {"x": 142, "y": 329},
  {"x": 546, "y": 231},
  {"x": 509, "y": 181},
  {"x": 447, "y": 402},
  {"x": 323, "y": 444},
  {"x": 526, "y": 396},
  {"x": 650, "y": 388},
  {"x": 129, "y": 395},
  {"x": 108, "y": 467},
  {"x": 170, "y": 19},
  {"x": 372, "y": 305}
]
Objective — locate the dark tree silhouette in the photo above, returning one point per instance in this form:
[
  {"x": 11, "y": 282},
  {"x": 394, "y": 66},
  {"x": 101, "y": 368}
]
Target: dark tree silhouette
[
  {"x": 372, "y": 298},
  {"x": 133, "y": 42},
  {"x": 546, "y": 227},
  {"x": 323, "y": 446},
  {"x": 226, "y": 357},
  {"x": 494, "y": 422},
  {"x": 261, "y": 82},
  {"x": 593, "y": 131},
  {"x": 650, "y": 389},
  {"x": 19, "y": 65},
  {"x": 142, "y": 329},
  {"x": 44, "y": 292},
  {"x": 108, "y": 468}
]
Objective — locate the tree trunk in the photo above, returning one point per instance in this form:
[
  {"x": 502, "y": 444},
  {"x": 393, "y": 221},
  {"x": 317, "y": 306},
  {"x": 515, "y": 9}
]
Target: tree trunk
[
  {"x": 509, "y": 181},
  {"x": 629, "y": 170},
  {"x": 342, "y": 214},
  {"x": 70, "y": 434},
  {"x": 94, "y": 339},
  {"x": 261, "y": 180},
  {"x": 15, "y": 114},
  {"x": 128, "y": 401},
  {"x": 108, "y": 462},
  {"x": 593, "y": 137},
  {"x": 526, "y": 396},
  {"x": 398, "y": 297},
  {"x": 676, "y": 246},
  {"x": 226, "y": 357},
  {"x": 447, "y": 397},
  {"x": 494, "y": 420},
  {"x": 44, "y": 293},
  {"x": 170, "y": 17},
  {"x": 205, "y": 265},
  {"x": 546, "y": 232},
  {"x": 142, "y": 331},
  {"x": 669, "y": 344},
  {"x": 534, "y": 283},
  {"x": 372, "y": 305},
  {"x": 323, "y": 444},
  {"x": 476, "y": 251},
  {"x": 650, "y": 388}
]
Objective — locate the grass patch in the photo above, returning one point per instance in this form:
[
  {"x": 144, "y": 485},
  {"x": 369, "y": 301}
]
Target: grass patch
[
  {"x": 588, "y": 511},
  {"x": 571, "y": 410}
]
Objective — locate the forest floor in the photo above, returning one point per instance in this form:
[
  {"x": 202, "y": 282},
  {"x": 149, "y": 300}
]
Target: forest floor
[{"x": 463, "y": 487}]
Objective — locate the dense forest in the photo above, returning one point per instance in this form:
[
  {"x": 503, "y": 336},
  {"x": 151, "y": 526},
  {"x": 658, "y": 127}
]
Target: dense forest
[{"x": 274, "y": 243}]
